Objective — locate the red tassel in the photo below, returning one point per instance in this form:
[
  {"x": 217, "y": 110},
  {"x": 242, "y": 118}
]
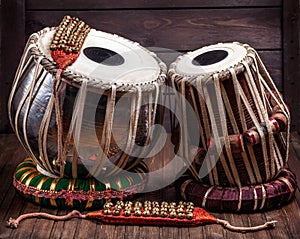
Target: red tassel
[{"x": 63, "y": 59}]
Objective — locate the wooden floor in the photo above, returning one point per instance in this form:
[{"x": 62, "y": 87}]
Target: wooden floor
[{"x": 12, "y": 205}]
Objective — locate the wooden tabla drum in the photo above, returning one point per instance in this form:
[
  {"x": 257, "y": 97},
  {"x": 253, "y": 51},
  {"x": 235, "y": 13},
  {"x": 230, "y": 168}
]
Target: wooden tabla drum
[
  {"x": 109, "y": 70},
  {"x": 241, "y": 116}
]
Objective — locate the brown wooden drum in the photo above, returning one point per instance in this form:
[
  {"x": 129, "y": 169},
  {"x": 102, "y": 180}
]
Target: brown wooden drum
[{"x": 243, "y": 127}]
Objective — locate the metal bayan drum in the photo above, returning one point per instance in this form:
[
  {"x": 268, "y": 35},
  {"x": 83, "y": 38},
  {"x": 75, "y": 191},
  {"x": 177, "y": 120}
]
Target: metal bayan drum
[
  {"x": 243, "y": 125},
  {"x": 109, "y": 103}
]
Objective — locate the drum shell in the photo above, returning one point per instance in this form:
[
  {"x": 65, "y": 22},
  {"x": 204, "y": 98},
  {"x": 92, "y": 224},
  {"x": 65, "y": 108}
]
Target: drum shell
[
  {"x": 253, "y": 153},
  {"x": 256, "y": 149},
  {"x": 28, "y": 110}
]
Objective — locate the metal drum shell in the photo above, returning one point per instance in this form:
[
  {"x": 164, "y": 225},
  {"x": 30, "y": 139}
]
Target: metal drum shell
[{"x": 27, "y": 108}]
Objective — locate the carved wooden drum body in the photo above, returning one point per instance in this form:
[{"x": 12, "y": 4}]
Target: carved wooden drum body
[{"x": 243, "y": 128}]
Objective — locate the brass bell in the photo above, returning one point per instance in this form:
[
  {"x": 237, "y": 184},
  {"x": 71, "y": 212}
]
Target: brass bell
[
  {"x": 146, "y": 213},
  {"x": 127, "y": 213},
  {"x": 116, "y": 212},
  {"x": 137, "y": 213},
  {"x": 172, "y": 214},
  {"x": 107, "y": 211},
  {"x": 189, "y": 216}
]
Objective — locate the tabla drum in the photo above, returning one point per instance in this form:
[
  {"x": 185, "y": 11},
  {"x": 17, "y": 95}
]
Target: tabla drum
[
  {"x": 109, "y": 102},
  {"x": 243, "y": 129}
]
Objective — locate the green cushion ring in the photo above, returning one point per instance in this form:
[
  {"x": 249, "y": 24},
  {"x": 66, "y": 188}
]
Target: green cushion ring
[{"x": 75, "y": 193}]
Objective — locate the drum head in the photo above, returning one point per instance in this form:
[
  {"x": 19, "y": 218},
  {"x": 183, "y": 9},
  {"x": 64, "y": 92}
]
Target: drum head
[
  {"x": 214, "y": 58},
  {"x": 111, "y": 59}
]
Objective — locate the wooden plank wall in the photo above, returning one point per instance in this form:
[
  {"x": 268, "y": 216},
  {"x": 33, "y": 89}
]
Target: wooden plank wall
[
  {"x": 172, "y": 24},
  {"x": 12, "y": 44},
  {"x": 291, "y": 59},
  {"x": 176, "y": 25}
]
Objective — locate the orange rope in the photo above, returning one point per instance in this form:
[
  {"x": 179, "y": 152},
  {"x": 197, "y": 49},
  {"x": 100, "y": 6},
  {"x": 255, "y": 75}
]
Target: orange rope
[{"x": 13, "y": 223}]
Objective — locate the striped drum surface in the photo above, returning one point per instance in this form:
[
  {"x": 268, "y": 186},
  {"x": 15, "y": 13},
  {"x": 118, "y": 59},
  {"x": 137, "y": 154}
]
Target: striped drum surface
[{"x": 243, "y": 127}]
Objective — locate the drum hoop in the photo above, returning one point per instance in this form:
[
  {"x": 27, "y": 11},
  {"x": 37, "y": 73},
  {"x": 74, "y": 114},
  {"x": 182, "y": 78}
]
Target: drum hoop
[
  {"x": 83, "y": 196},
  {"x": 76, "y": 79},
  {"x": 209, "y": 196},
  {"x": 208, "y": 77}
]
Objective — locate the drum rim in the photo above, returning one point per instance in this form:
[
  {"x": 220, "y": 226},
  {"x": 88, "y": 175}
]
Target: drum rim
[
  {"x": 26, "y": 172},
  {"x": 285, "y": 178},
  {"x": 223, "y": 74},
  {"x": 76, "y": 79}
]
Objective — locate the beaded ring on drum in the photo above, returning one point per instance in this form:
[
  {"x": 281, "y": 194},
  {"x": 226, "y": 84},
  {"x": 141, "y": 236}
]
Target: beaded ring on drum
[
  {"x": 237, "y": 106},
  {"x": 109, "y": 68}
]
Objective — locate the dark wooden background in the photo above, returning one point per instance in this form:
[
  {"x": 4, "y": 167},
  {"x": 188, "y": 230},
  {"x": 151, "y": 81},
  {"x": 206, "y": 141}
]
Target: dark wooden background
[{"x": 270, "y": 26}]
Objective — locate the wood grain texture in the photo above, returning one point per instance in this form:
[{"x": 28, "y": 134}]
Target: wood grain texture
[
  {"x": 43, "y": 227},
  {"x": 271, "y": 59},
  {"x": 58, "y": 227},
  {"x": 273, "y": 62},
  {"x": 13, "y": 205},
  {"x": 291, "y": 59},
  {"x": 144, "y": 4},
  {"x": 294, "y": 160},
  {"x": 12, "y": 43},
  {"x": 178, "y": 29},
  {"x": 179, "y": 25}
]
